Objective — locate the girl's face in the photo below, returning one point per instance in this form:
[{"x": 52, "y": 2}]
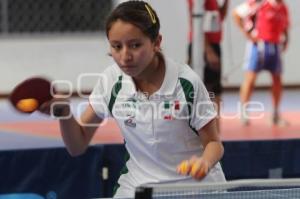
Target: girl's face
[{"x": 131, "y": 49}]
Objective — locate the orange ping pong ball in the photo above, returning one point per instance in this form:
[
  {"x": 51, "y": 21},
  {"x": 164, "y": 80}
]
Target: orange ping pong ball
[
  {"x": 184, "y": 167},
  {"x": 27, "y": 105}
]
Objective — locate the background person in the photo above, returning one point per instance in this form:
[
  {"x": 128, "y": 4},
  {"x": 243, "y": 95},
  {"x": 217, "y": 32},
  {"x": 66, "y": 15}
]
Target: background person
[
  {"x": 270, "y": 23},
  {"x": 212, "y": 25}
]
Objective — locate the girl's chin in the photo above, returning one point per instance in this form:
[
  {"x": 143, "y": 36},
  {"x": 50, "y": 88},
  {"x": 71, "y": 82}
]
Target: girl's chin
[{"x": 129, "y": 72}]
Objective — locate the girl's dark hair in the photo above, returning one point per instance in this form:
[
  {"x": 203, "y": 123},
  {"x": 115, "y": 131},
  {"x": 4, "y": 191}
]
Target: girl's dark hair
[{"x": 138, "y": 13}]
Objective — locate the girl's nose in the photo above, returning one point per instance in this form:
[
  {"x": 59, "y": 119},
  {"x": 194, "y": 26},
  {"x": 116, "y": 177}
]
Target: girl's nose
[{"x": 126, "y": 55}]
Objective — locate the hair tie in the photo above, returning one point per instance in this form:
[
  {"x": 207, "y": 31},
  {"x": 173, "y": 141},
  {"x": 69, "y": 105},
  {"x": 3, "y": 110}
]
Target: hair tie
[{"x": 152, "y": 16}]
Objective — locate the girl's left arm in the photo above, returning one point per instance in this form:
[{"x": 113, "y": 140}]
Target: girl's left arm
[
  {"x": 199, "y": 166},
  {"x": 213, "y": 147}
]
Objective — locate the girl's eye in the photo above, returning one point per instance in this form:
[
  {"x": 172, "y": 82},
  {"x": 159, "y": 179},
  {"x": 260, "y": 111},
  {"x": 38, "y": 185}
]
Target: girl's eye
[
  {"x": 116, "y": 47},
  {"x": 135, "y": 45}
]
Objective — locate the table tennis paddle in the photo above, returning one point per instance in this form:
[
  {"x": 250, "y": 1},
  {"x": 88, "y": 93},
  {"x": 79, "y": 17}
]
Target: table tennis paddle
[{"x": 31, "y": 93}]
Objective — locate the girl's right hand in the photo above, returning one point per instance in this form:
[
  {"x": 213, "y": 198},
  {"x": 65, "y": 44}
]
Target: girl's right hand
[{"x": 56, "y": 107}]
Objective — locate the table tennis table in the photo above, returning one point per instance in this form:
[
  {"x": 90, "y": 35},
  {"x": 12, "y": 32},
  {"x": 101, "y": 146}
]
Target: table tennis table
[
  {"x": 238, "y": 189},
  {"x": 262, "y": 194}
]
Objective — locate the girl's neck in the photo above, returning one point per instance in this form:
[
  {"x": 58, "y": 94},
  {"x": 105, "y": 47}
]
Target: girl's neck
[{"x": 152, "y": 77}]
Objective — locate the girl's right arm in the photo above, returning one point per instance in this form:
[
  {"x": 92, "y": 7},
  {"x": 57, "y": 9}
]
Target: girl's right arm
[{"x": 78, "y": 134}]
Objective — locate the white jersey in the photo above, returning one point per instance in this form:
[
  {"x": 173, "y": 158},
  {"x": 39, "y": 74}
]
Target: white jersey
[{"x": 160, "y": 130}]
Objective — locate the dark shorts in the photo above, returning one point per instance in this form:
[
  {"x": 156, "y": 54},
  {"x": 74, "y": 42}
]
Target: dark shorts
[
  {"x": 212, "y": 77},
  {"x": 263, "y": 56}
]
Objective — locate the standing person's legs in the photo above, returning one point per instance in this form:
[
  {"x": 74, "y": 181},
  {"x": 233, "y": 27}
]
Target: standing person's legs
[
  {"x": 245, "y": 94},
  {"x": 253, "y": 64},
  {"x": 276, "y": 99},
  {"x": 276, "y": 92},
  {"x": 212, "y": 81},
  {"x": 274, "y": 65},
  {"x": 247, "y": 86}
]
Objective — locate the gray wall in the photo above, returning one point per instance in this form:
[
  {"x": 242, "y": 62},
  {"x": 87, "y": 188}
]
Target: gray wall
[{"x": 66, "y": 57}]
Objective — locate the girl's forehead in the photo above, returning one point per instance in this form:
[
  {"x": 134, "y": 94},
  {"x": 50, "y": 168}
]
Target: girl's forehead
[
  {"x": 121, "y": 29},
  {"x": 123, "y": 24}
]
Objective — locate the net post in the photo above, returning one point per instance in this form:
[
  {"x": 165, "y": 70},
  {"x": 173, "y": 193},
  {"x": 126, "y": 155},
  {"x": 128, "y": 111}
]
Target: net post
[{"x": 143, "y": 193}]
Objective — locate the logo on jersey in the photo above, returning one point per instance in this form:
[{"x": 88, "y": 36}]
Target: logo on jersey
[
  {"x": 170, "y": 108},
  {"x": 130, "y": 122}
]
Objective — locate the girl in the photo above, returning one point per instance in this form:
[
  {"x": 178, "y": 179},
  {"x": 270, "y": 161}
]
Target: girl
[{"x": 161, "y": 107}]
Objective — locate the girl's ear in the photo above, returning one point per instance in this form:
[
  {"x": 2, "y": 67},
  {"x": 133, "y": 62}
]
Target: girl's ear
[{"x": 157, "y": 43}]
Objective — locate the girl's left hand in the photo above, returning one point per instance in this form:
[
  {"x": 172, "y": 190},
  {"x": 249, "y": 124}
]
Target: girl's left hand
[{"x": 197, "y": 167}]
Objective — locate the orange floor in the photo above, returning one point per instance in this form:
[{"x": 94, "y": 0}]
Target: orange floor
[{"x": 231, "y": 129}]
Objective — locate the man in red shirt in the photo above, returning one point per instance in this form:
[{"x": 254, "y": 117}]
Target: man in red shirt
[
  {"x": 212, "y": 26},
  {"x": 271, "y": 23}
]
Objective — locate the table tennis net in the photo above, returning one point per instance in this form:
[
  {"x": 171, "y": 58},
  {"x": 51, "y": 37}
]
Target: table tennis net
[{"x": 238, "y": 189}]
